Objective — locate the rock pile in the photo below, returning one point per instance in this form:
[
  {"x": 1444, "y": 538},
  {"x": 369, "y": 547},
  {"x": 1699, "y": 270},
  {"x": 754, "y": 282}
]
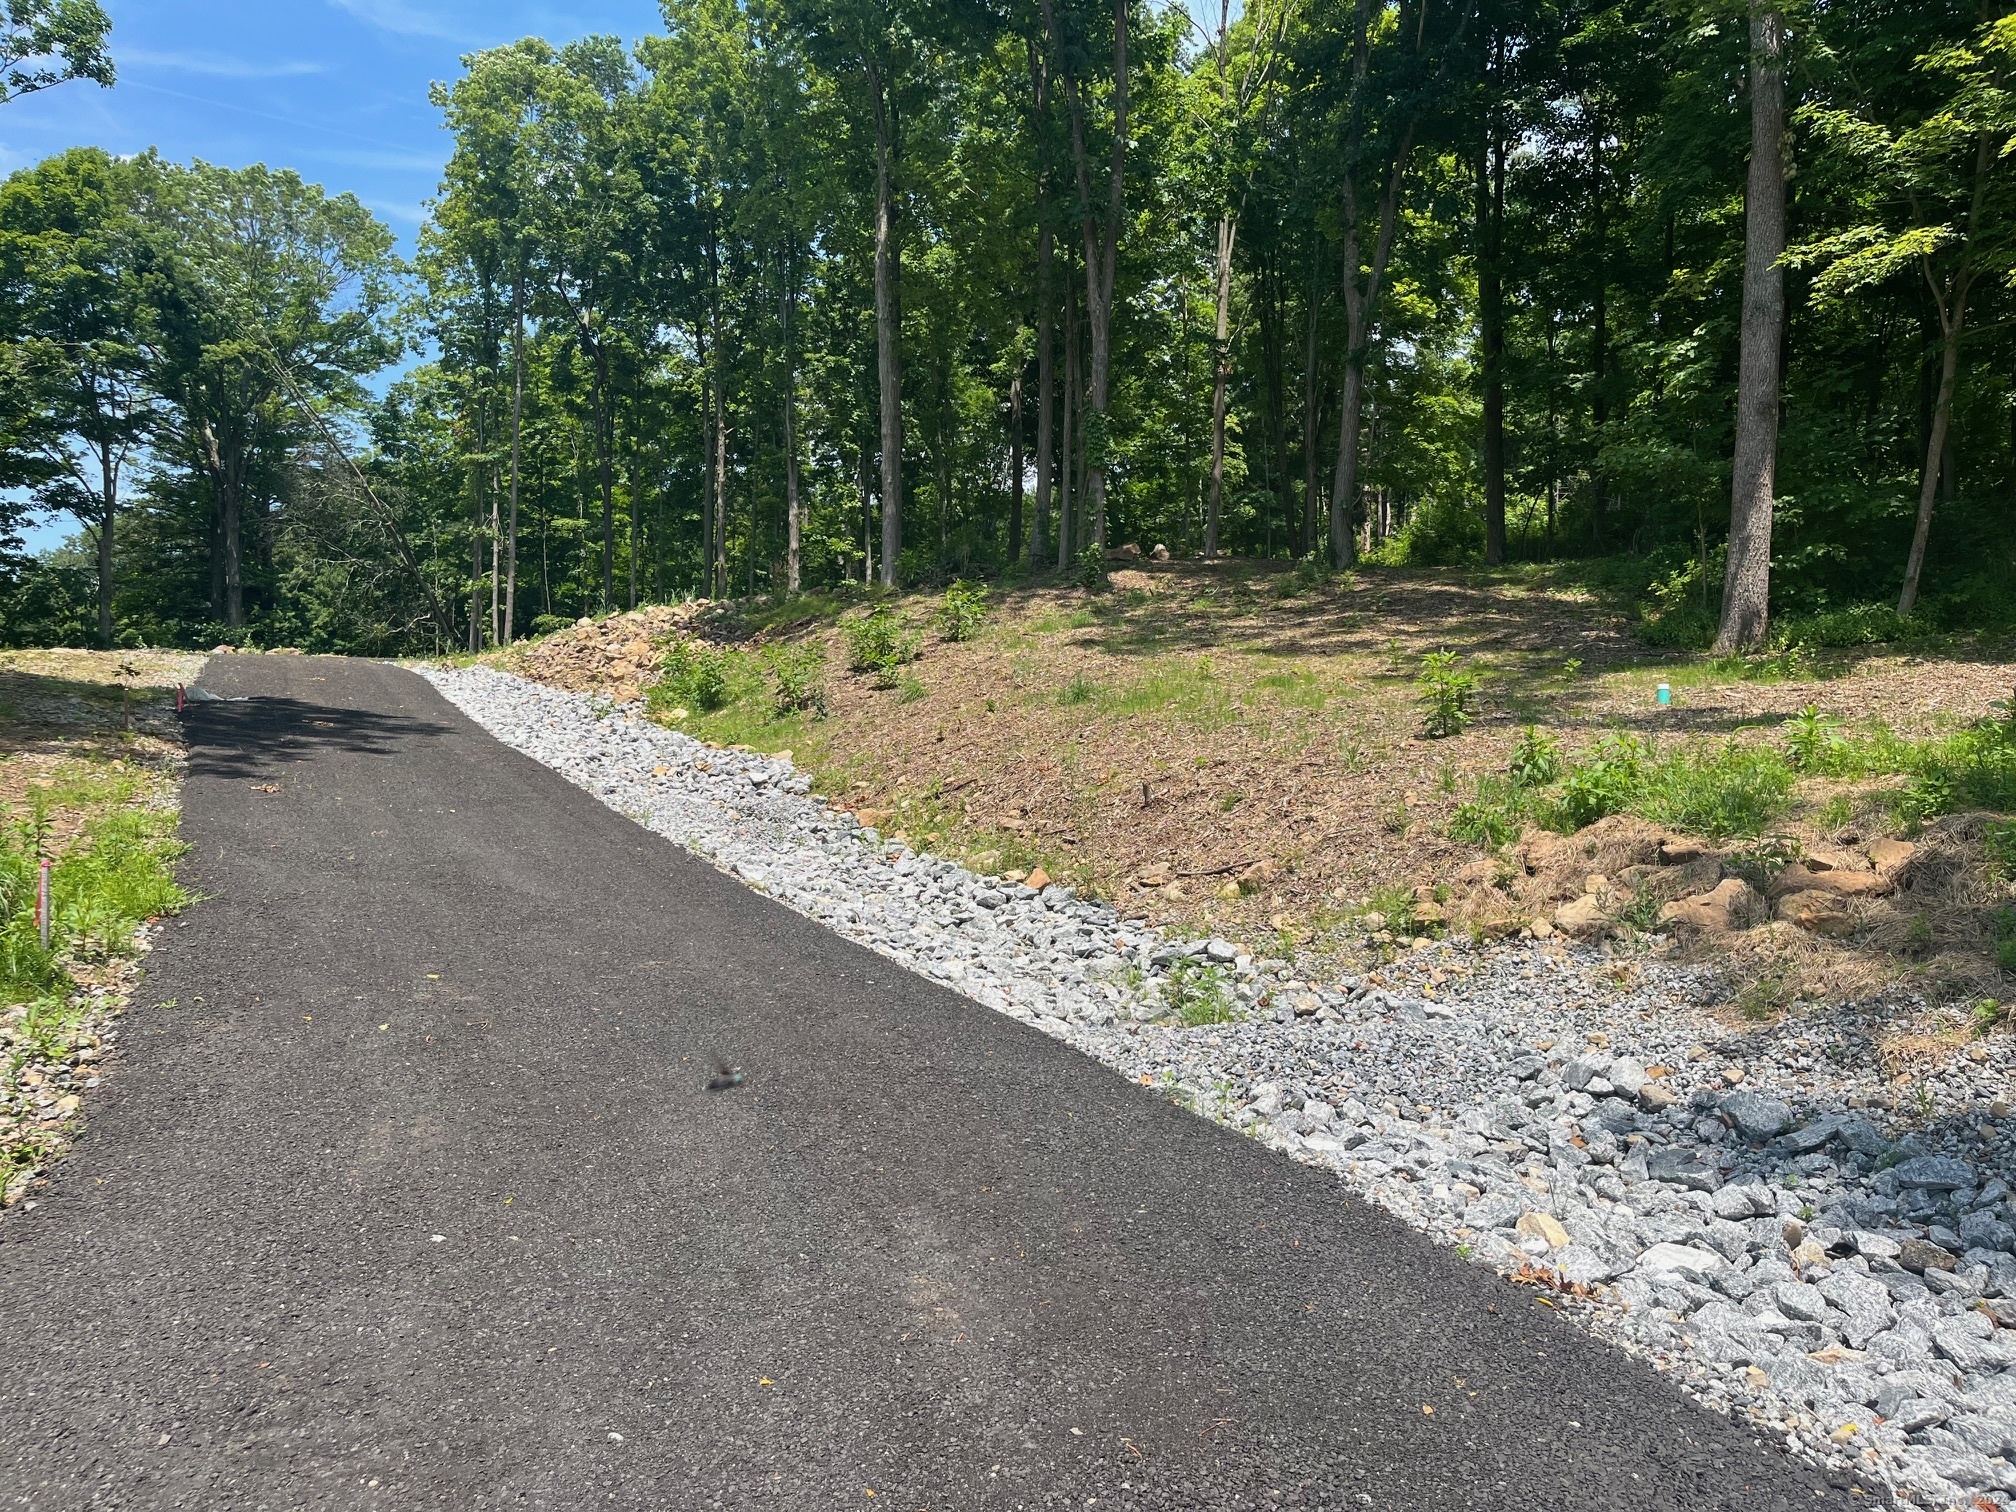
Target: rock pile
[
  {"x": 1725, "y": 1203},
  {"x": 618, "y": 657}
]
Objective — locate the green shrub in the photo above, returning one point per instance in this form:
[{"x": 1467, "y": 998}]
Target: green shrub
[
  {"x": 1196, "y": 993},
  {"x": 1090, "y": 569},
  {"x": 879, "y": 642},
  {"x": 1973, "y": 768},
  {"x": 546, "y": 624},
  {"x": 964, "y": 609},
  {"x": 1490, "y": 819},
  {"x": 1812, "y": 739},
  {"x": 799, "y": 673},
  {"x": 1856, "y": 625},
  {"x": 1686, "y": 627},
  {"x": 1998, "y": 845},
  {"x": 696, "y": 677},
  {"x": 1448, "y": 695},
  {"x": 1606, "y": 782},
  {"x": 2004, "y": 925},
  {"x": 1536, "y": 759}
]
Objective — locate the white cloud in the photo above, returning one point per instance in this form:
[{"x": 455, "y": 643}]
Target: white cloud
[
  {"x": 410, "y": 18},
  {"x": 216, "y": 65}
]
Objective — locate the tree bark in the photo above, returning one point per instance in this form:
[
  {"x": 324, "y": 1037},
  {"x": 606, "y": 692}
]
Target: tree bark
[
  {"x": 1102, "y": 247},
  {"x": 517, "y": 432},
  {"x": 1221, "y": 372},
  {"x": 1014, "y": 465},
  {"x": 108, "y": 509},
  {"x": 1491, "y": 323},
  {"x": 1046, "y": 403},
  {"x": 1312, "y": 399},
  {"x": 1952, "y": 308},
  {"x": 888, "y": 328},
  {"x": 793, "y": 525},
  {"x": 1746, "y": 586},
  {"x": 1067, "y": 501},
  {"x": 1361, "y": 299}
]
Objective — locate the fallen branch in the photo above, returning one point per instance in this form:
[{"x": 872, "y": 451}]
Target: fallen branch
[{"x": 1217, "y": 871}]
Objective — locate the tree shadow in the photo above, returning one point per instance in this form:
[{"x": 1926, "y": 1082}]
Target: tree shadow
[{"x": 245, "y": 739}]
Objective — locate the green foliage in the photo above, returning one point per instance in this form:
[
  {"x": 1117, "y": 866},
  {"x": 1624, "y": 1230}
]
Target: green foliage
[
  {"x": 1080, "y": 690},
  {"x": 1998, "y": 846},
  {"x": 116, "y": 877},
  {"x": 1089, "y": 569},
  {"x": 1719, "y": 793},
  {"x": 1605, "y": 782},
  {"x": 878, "y": 642},
  {"x": 2003, "y": 927},
  {"x": 547, "y": 624},
  {"x": 1196, "y": 993},
  {"x": 49, "y": 42},
  {"x": 1536, "y": 759},
  {"x": 799, "y": 675},
  {"x": 1448, "y": 693},
  {"x": 1492, "y": 818},
  {"x": 1812, "y": 739},
  {"x": 695, "y": 677},
  {"x": 964, "y": 610}
]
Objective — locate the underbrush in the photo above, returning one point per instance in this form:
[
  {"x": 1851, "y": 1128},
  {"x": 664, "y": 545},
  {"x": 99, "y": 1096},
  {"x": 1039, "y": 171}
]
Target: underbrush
[
  {"x": 116, "y": 873},
  {"x": 1732, "y": 789}
]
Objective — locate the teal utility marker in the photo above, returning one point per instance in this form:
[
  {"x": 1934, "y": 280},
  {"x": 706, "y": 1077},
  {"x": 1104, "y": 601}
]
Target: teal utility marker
[{"x": 1665, "y": 696}]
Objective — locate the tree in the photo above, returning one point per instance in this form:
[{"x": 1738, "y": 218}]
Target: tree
[
  {"x": 72, "y": 267},
  {"x": 1746, "y": 590},
  {"x": 1941, "y": 178},
  {"x": 48, "y": 42},
  {"x": 259, "y": 276}
]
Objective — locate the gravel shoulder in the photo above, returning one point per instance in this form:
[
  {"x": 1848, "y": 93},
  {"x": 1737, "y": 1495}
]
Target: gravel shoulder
[
  {"x": 1742, "y": 1207},
  {"x": 417, "y": 1199}
]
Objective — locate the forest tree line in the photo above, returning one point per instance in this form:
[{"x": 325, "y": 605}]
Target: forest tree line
[{"x": 802, "y": 292}]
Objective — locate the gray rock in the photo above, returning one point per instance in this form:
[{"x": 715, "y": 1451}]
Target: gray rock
[
  {"x": 1865, "y": 1305},
  {"x": 1985, "y": 1231},
  {"x": 1934, "y": 1173},
  {"x": 1756, "y": 1116},
  {"x": 1679, "y": 1260},
  {"x": 1969, "y": 1350},
  {"x": 1801, "y": 1301}
]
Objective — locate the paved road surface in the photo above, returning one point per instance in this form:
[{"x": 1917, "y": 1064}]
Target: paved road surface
[{"x": 413, "y": 1198}]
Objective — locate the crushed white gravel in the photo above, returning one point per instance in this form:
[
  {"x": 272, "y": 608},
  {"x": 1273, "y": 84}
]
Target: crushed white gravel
[{"x": 1737, "y": 1206}]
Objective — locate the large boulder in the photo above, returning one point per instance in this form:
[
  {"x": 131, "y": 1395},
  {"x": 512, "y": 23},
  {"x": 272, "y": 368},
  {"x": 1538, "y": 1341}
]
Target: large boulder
[
  {"x": 1727, "y": 907},
  {"x": 1799, "y": 877},
  {"x": 1818, "y": 912},
  {"x": 1583, "y": 918}
]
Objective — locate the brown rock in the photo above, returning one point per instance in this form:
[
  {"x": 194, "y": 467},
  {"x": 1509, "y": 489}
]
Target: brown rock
[
  {"x": 1654, "y": 1098},
  {"x": 1038, "y": 879},
  {"x": 1537, "y": 1225},
  {"x": 1428, "y": 911},
  {"x": 1678, "y": 850},
  {"x": 1127, "y": 553},
  {"x": 1817, "y": 912},
  {"x": 1260, "y": 873},
  {"x": 1922, "y": 1255},
  {"x": 1846, "y": 884},
  {"x": 1156, "y": 875},
  {"x": 1159, "y": 554},
  {"x": 1727, "y": 907},
  {"x": 1583, "y": 919},
  {"x": 1483, "y": 872},
  {"x": 1890, "y": 857},
  {"x": 872, "y": 818}
]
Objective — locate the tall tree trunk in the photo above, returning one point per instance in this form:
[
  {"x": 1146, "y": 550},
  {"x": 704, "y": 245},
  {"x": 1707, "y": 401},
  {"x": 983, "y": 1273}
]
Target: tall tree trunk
[
  {"x": 1014, "y": 465},
  {"x": 1068, "y": 528},
  {"x": 719, "y": 587},
  {"x": 793, "y": 524},
  {"x": 1312, "y": 399},
  {"x": 1599, "y": 364},
  {"x": 867, "y": 516},
  {"x": 1102, "y": 248},
  {"x": 226, "y": 468},
  {"x": 1221, "y": 373},
  {"x": 517, "y": 432},
  {"x": 888, "y": 328},
  {"x": 1952, "y": 308},
  {"x": 108, "y": 511},
  {"x": 1491, "y": 317},
  {"x": 1046, "y": 402},
  {"x": 1746, "y": 586},
  {"x": 1361, "y": 298}
]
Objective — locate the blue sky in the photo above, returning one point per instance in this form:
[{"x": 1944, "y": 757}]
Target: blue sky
[{"x": 335, "y": 89}]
